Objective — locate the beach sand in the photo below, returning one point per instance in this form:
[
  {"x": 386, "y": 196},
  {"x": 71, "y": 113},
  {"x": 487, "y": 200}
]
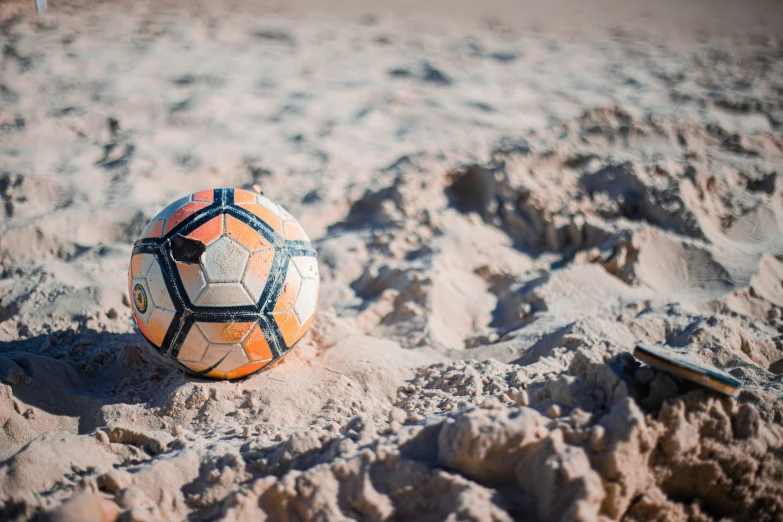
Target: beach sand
[{"x": 505, "y": 198}]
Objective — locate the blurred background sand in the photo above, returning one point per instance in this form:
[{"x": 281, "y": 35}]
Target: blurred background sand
[{"x": 505, "y": 196}]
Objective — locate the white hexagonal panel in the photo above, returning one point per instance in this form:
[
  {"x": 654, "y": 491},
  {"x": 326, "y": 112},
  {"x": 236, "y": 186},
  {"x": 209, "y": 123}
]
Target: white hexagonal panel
[
  {"x": 224, "y": 261},
  {"x": 274, "y": 207},
  {"x": 194, "y": 347},
  {"x": 141, "y": 263},
  {"x": 192, "y": 278},
  {"x": 224, "y": 294},
  {"x": 307, "y": 266},
  {"x": 225, "y": 332},
  {"x": 257, "y": 272},
  {"x": 233, "y": 356},
  {"x": 307, "y": 300},
  {"x": 157, "y": 286}
]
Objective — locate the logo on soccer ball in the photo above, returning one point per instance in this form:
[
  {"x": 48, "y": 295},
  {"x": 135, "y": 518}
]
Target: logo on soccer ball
[
  {"x": 224, "y": 282},
  {"x": 140, "y": 298}
]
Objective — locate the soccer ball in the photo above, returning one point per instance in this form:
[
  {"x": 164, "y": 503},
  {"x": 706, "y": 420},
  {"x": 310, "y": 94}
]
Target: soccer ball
[{"x": 223, "y": 282}]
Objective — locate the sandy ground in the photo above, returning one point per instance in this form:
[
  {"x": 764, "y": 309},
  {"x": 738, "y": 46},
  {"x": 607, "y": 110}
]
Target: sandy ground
[{"x": 503, "y": 206}]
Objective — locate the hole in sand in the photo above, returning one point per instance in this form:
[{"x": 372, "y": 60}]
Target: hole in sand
[
  {"x": 472, "y": 190},
  {"x": 776, "y": 367}
]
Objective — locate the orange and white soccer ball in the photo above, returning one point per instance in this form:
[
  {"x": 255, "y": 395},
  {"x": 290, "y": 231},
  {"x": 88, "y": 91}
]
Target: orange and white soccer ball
[{"x": 223, "y": 282}]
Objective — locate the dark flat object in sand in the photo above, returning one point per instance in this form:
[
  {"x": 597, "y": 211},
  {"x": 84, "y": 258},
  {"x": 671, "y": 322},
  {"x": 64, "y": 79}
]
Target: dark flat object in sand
[{"x": 687, "y": 367}]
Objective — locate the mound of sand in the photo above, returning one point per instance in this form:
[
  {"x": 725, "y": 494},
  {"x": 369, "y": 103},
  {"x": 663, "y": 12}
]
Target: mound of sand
[{"x": 501, "y": 213}]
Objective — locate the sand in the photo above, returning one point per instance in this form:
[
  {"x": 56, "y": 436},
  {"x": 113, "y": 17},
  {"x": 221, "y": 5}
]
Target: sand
[{"x": 504, "y": 204}]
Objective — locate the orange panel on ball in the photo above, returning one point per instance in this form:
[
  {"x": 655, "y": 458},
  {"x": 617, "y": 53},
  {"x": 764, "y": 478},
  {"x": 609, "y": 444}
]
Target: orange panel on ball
[
  {"x": 144, "y": 329},
  {"x": 256, "y": 346},
  {"x": 209, "y": 231},
  {"x": 225, "y": 333},
  {"x": 294, "y": 232},
  {"x": 204, "y": 195},
  {"x": 266, "y": 215},
  {"x": 183, "y": 213},
  {"x": 246, "y": 369},
  {"x": 289, "y": 326},
  {"x": 159, "y": 324},
  {"x": 244, "y": 196},
  {"x": 136, "y": 267},
  {"x": 303, "y": 329},
  {"x": 216, "y": 374},
  {"x": 154, "y": 229},
  {"x": 158, "y": 332},
  {"x": 245, "y": 235}
]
